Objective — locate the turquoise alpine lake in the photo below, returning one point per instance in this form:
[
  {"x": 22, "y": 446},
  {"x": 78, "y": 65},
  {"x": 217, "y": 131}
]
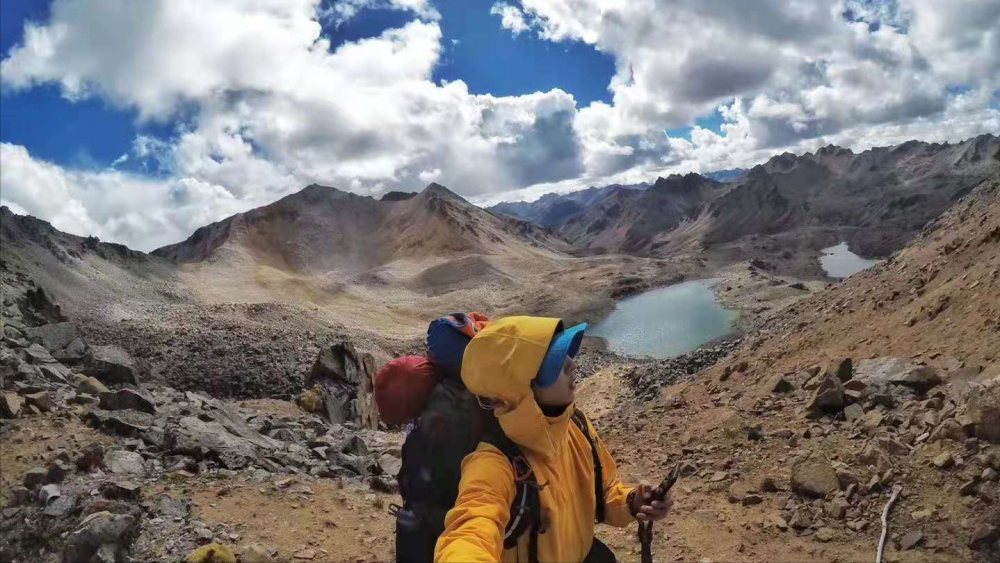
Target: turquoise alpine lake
[
  {"x": 666, "y": 322},
  {"x": 839, "y": 262}
]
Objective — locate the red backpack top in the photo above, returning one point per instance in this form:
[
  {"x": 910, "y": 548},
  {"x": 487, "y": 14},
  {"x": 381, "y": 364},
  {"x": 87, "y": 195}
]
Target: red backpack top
[{"x": 402, "y": 388}]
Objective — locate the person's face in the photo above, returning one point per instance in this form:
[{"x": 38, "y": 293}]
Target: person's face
[{"x": 560, "y": 393}]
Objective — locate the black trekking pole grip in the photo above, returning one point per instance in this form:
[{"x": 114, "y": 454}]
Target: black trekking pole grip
[{"x": 646, "y": 528}]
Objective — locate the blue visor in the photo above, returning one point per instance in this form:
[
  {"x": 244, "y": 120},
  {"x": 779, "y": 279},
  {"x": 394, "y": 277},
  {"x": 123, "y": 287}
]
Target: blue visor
[{"x": 565, "y": 343}]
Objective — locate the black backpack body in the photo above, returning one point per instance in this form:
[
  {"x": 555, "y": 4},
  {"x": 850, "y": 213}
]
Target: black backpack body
[{"x": 450, "y": 427}]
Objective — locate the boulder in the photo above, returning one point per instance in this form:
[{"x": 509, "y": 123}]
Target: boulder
[
  {"x": 354, "y": 446},
  {"x": 58, "y": 470},
  {"x": 53, "y": 336},
  {"x": 853, "y": 412},
  {"x": 41, "y": 400},
  {"x": 949, "y": 429},
  {"x": 983, "y": 536},
  {"x": 390, "y": 464},
  {"x": 91, "y": 386},
  {"x": 36, "y": 354},
  {"x": 91, "y": 458},
  {"x": 344, "y": 378},
  {"x": 35, "y": 477},
  {"x": 110, "y": 364},
  {"x": 911, "y": 540},
  {"x": 827, "y": 398},
  {"x": 55, "y": 372},
  {"x": 920, "y": 378},
  {"x": 814, "y": 478},
  {"x": 72, "y": 354},
  {"x": 944, "y": 461},
  {"x": 227, "y": 439},
  {"x": 984, "y": 410},
  {"x": 842, "y": 369},
  {"x": 126, "y": 423},
  {"x": 127, "y": 399},
  {"x": 768, "y": 485},
  {"x": 211, "y": 553},
  {"x": 120, "y": 490},
  {"x": 10, "y": 404},
  {"x": 122, "y": 462},
  {"x": 96, "y": 530},
  {"x": 778, "y": 384}
]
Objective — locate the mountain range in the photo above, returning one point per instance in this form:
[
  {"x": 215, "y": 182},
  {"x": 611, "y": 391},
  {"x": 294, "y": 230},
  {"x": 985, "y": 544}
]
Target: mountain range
[{"x": 875, "y": 200}]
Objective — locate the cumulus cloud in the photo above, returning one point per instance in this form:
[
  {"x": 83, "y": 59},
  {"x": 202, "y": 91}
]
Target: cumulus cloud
[
  {"x": 511, "y": 17},
  {"x": 141, "y": 213},
  {"x": 262, "y": 103}
]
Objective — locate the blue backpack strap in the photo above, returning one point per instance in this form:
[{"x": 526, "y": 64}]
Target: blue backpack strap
[{"x": 580, "y": 420}]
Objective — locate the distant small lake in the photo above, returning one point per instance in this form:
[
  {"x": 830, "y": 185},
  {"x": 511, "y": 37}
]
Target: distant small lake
[
  {"x": 666, "y": 322},
  {"x": 839, "y": 262}
]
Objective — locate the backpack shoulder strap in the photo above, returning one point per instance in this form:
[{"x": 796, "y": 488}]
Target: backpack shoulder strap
[
  {"x": 580, "y": 420},
  {"x": 526, "y": 510}
]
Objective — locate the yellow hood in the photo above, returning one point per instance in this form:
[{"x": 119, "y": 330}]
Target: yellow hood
[{"x": 500, "y": 363}]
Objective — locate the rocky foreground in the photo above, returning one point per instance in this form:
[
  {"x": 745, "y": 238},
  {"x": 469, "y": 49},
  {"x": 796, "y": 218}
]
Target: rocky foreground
[{"x": 101, "y": 497}]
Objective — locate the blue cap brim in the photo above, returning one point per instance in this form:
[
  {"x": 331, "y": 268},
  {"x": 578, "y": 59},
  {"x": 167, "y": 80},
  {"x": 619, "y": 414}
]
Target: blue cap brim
[{"x": 565, "y": 343}]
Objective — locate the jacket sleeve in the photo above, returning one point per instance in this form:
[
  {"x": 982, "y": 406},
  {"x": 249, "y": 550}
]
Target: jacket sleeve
[
  {"x": 473, "y": 528},
  {"x": 616, "y": 511}
]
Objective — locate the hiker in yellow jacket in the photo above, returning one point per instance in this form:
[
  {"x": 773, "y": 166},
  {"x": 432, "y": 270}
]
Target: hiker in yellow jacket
[{"x": 523, "y": 366}]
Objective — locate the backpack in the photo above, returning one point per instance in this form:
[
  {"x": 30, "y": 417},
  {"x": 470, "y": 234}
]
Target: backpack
[{"x": 450, "y": 427}]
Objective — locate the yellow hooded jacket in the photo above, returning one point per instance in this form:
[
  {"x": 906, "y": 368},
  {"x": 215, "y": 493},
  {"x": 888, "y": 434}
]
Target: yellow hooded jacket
[{"x": 500, "y": 363}]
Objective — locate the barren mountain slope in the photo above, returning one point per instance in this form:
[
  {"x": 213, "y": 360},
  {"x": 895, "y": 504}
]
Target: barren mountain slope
[
  {"x": 936, "y": 303},
  {"x": 628, "y": 221},
  {"x": 88, "y": 278}
]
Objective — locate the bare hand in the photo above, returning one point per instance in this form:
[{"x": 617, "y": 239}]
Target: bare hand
[{"x": 647, "y": 511}]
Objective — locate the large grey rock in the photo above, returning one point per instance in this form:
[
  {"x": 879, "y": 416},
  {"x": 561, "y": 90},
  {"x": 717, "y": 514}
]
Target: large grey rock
[
  {"x": 55, "y": 372},
  {"x": 814, "y": 478},
  {"x": 110, "y": 364},
  {"x": 37, "y": 354},
  {"x": 126, "y": 423},
  {"x": 920, "y": 378},
  {"x": 344, "y": 378},
  {"x": 984, "y": 410},
  {"x": 100, "y": 528},
  {"x": 390, "y": 464},
  {"x": 126, "y": 399},
  {"x": 228, "y": 439},
  {"x": 122, "y": 462},
  {"x": 72, "y": 354},
  {"x": 53, "y": 336}
]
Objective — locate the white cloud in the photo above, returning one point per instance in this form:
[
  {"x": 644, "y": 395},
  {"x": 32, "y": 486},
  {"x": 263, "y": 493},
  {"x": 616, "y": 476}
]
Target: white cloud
[
  {"x": 264, "y": 104},
  {"x": 511, "y": 17},
  {"x": 339, "y": 12},
  {"x": 115, "y": 206}
]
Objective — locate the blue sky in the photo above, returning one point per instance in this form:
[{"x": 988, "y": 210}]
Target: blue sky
[
  {"x": 92, "y": 134},
  {"x": 140, "y": 121}
]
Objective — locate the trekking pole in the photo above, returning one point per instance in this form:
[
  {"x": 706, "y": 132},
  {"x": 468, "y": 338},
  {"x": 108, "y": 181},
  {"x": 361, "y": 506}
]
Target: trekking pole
[{"x": 646, "y": 528}]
